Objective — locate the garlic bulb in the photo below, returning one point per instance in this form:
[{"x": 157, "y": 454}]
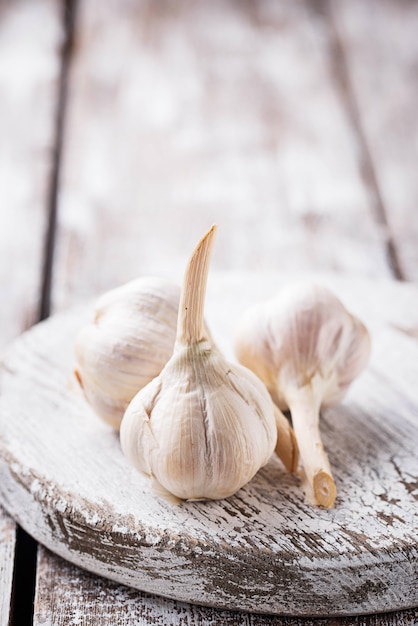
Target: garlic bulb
[
  {"x": 307, "y": 349},
  {"x": 127, "y": 345},
  {"x": 203, "y": 427}
]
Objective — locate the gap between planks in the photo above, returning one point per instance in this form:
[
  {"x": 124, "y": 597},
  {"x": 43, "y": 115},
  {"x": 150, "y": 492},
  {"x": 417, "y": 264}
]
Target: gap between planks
[
  {"x": 341, "y": 75},
  {"x": 25, "y": 564},
  {"x": 68, "y": 20}
]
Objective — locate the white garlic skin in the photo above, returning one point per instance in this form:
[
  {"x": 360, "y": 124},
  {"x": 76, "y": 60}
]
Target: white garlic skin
[
  {"x": 127, "y": 344},
  {"x": 304, "y": 336},
  {"x": 307, "y": 348},
  {"x": 202, "y": 428}
]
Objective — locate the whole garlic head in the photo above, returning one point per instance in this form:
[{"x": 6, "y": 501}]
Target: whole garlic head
[
  {"x": 307, "y": 348},
  {"x": 127, "y": 344},
  {"x": 204, "y": 426}
]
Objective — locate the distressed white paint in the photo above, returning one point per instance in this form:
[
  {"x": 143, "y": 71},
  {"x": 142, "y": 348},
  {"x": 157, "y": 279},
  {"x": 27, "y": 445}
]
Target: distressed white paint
[
  {"x": 71, "y": 596},
  {"x": 186, "y": 114},
  {"x": 64, "y": 478},
  {"x": 30, "y": 35},
  {"x": 381, "y": 48},
  {"x": 7, "y": 545}
]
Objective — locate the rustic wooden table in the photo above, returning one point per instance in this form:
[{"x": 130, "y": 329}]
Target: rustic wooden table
[{"x": 127, "y": 128}]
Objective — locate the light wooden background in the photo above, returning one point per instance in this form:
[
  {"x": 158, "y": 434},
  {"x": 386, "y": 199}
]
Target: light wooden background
[{"x": 127, "y": 127}]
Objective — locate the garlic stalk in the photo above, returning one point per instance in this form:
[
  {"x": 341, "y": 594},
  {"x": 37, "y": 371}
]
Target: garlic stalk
[
  {"x": 204, "y": 426},
  {"x": 307, "y": 348},
  {"x": 127, "y": 344}
]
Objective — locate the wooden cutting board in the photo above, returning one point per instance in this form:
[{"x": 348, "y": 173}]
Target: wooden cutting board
[{"x": 64, "y": 479}]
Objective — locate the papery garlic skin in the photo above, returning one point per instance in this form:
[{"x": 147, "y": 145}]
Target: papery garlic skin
[
  {"x": 127, "y": 344},
  {"x": 303, "y": 336},
  {"x": 307, "y": 349},
  {"x": 204, "y": 426}
]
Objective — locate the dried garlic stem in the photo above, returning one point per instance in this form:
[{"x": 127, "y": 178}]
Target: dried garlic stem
[
  {"x": 190, "y": 325},
  {"x": 304, "y": 408}
]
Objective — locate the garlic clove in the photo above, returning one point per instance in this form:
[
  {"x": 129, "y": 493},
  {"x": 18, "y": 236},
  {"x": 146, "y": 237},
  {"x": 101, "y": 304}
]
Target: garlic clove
[
  {"x": 204, "y": 426},
  {"x": 127, "y": 344},
  {"x": 286, "y": 447},
  {"x": 307, "y": 348}
]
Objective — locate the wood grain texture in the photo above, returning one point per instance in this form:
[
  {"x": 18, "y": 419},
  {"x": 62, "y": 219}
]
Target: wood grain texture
[
  {"x": 183, "y": 114},
  {"x": 64, "y": 478},
  {"x": 103, "y": 242},
  {"x": 381, "y": 50},
  {"x": 7, "y": 545},
  {"x": 29, "y": 66},
  {"x": 69, "y": 596},
  {"x": 30, "y": 34}
]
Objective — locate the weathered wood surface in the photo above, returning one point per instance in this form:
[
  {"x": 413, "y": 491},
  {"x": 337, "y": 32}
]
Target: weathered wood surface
[
  {"x": 7, "y": 546},
  {"x": 29, "y": 66},
  {"x": 101, "y": 194},
  {"x": 70, "y": 597},
  {"x": 193, "y": 113},
  {"x": 228, "y": 154},
  {"x": 381, "y": 50},
  {"x": 30, "y": 34},
  {"x": 64, "y": 479}
]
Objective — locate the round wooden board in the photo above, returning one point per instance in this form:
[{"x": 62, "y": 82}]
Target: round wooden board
[{"x": 64, "y": 479}]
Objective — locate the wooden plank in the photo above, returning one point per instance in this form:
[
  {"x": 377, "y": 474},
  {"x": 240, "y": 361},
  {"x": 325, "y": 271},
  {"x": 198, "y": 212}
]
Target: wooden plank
[
  {"x": 381, "y": 50},
  {"x": 182, "y": 114},
  {"x": 264, "y": 549},
  {"x": 158, "y": 137},
  {"x": 29, "y": 65},
  {"x": 29, "y": 69},
  {"x": 69, "y": 595},
  {"x": 7, "y": 546}
]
